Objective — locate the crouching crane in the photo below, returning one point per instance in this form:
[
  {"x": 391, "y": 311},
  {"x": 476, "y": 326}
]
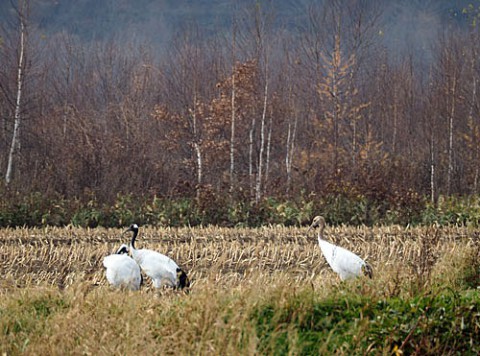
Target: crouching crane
[
  {"x": 160, "y": 268},
  {"x": 122, "y": 271}
]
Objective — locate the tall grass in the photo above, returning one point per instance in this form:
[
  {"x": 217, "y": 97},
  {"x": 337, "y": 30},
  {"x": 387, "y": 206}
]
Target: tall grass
[{"x": 255, "y": 291}]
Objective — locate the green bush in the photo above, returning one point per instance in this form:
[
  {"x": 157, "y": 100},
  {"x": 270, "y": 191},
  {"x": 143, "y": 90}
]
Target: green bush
[
  {"x": 453, "y": 211},
  {"x": 211, "y": 207},
  {"x": 349, "y": 323}
]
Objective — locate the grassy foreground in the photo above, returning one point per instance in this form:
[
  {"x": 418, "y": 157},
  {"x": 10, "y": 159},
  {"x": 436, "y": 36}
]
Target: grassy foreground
[{"x": 262, "y": 291}]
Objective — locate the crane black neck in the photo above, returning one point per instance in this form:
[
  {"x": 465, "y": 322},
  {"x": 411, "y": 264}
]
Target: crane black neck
[{"x": 135, "y": 233}]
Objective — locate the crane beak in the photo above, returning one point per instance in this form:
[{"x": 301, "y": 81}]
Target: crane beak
[
  {"x": 312, "y": 226},
  {"x": 132, "y": 228}
]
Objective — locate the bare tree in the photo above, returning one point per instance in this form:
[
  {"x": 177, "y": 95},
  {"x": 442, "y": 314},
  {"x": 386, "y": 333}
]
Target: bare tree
[
  {"x": 449, "y": 71},
  {"x": 290, "y": 142},
  {"x": 233, "y": 108},
  {"x": 471, "y": 137},
  {"x": 475, "y": 134},
  {"x": 22, "y": 13},
  {"x": 260, "y": 35}
]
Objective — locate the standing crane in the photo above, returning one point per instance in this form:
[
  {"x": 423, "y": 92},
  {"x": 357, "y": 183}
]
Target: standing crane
[{"x": 344, "y": 262}]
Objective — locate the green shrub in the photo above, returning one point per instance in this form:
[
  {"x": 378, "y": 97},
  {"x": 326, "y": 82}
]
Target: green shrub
[
  {"x": 211, "y": 207},
  {"x": 426, "y": 324},
  {"x": 90, "y": 215}
]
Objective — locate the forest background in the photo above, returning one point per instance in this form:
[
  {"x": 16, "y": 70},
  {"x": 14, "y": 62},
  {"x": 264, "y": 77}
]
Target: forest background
[{"x": 239, "y": 113}]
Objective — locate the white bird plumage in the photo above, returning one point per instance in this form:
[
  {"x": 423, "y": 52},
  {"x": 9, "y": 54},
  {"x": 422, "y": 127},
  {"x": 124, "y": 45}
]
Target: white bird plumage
[
  {"x": 160, "y": 268},
  {"x": 342, "y": 261},
  {"x": 121, "y": 270}
]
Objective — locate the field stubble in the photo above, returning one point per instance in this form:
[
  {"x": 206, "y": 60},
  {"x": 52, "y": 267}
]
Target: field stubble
[
  {"x": 226, "y": 257},
  {"x": 221, "y": 262}
]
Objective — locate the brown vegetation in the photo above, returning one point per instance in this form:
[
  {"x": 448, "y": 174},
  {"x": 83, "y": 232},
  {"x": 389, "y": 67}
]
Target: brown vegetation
[
  {"x": 55, "y": 298},
  {"x": 259, "y": 113},
  {"x": 220, "y": 256}
]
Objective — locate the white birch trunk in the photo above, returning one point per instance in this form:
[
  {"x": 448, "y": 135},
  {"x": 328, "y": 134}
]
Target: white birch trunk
[
  {"x": 196, "y": 145},
  {"x": 250, "y": 156},
  {"x": 232, "y": 128},
  {"x": 15, "y": 144},
  {"x": 395, "y": 116},
  {"x": 291, "y": 134},
  {"x": 450, "y": 135},
  {"x": 471, "y": 123},
  {"x": 354, "y": 146},
  {"x": 258, "y": 186},
  {"x": 267, "y": 158},
  {"x": 432, "y": 169},
  {"x": 232, "y": 137},
  {"x": 199, "y": 163},
  {"x": 288, "y": 162},
  {"x": 474, "y": 127}
]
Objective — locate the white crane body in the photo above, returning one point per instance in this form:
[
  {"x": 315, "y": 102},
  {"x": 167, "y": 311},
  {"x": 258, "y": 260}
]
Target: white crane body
[
  {"x": 160, "y": 268},
  {"x": 122, "y": 271},
  {"x": 344, "y": 262}
]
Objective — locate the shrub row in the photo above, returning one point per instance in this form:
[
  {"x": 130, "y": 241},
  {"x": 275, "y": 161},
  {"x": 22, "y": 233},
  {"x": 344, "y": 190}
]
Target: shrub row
[
  {"x": 210, "y": 208},
  {"x": 441, "y": 323}
]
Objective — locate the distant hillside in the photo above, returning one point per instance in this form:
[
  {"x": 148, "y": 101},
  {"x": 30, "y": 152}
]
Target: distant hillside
[{"x": 157, "y": 20}]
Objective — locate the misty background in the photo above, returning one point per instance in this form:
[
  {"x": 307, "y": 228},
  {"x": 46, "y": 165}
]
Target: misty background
[{"x": 406, "y": 26}]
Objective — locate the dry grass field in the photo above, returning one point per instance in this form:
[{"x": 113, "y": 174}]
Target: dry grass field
[{"x": 55, "y": 298}]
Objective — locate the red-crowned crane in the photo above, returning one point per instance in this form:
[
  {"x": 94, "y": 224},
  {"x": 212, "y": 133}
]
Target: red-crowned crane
[
  {"x": 160, "y": 268},
  {"x": 121, "y": 270}
]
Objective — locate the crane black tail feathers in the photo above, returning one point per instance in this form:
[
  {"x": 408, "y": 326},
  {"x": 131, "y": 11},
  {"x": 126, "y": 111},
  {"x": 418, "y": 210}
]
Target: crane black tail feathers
[
  {"x": 182, "y": 279},
  {"x": 367, "y": 270}
]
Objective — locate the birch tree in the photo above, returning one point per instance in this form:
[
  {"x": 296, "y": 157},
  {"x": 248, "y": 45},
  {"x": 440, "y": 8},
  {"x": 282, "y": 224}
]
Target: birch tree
[
  {"x": 472, "y": 135},
  {"x": 233, "y": 109},
  {"x": 190, "y": 85},
  {"x": 452, "y": 89},
  {"x": 22, "y": 13},
  {"x": 431, "y": 136},
  {"x": 263, "y": 42},
  {"x": 290, "y": 142},
  {"x": 449, "y": 70}
]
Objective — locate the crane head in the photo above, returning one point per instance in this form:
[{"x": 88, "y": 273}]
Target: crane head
[
  {"x": 122, "y": 249},
  {"x": 318, "y": 221},
  {"x": 133, "y": 228}
]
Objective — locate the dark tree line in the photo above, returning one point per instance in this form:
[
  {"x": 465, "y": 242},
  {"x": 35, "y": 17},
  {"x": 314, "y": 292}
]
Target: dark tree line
[{"x": 262, "y": 110}]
